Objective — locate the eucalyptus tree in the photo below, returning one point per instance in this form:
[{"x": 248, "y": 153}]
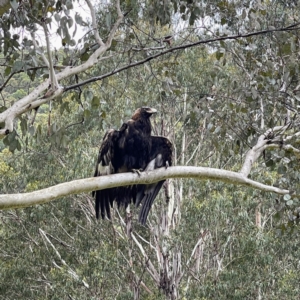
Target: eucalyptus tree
[{"x": 224, "y": 76}]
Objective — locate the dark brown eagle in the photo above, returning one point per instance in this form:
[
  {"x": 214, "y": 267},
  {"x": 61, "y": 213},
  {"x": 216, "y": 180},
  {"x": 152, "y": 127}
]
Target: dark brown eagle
[{"x": 132, "y": 148}]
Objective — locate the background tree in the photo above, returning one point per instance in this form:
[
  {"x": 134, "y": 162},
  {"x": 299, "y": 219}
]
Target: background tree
[{"x": 224, "y": 77}]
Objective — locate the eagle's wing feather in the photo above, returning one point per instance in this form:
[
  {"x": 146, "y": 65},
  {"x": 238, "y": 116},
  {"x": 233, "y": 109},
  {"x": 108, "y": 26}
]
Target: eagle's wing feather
[
  {"x": 104, "y": 198},
  {"x": 160, "y": 156},
  {"x": 150, "y": 193}
]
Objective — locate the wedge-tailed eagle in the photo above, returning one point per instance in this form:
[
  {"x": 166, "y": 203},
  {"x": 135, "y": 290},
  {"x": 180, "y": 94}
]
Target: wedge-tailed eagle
[{"x": 128, "y": 149}]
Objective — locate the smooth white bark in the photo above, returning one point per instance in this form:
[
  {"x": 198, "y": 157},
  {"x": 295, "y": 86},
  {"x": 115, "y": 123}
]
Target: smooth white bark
[{"x": 97, "y": 183}]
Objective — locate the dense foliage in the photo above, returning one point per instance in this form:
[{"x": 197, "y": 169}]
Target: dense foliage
[{"x": 215, "y": 100}]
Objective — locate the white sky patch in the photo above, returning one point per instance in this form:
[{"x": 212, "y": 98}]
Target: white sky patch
[
  {"x": 79, "y": 7},
  {"x": 76, "y": 31}
]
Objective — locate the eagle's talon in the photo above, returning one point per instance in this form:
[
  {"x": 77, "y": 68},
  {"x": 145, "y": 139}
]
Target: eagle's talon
[{"x": 137, "y": 171}]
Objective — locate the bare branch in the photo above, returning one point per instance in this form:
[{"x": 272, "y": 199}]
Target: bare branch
[
  {"x": 293, "y": 136},
  {"x": 148, "y": 49},
  {"x": 292, "y": 149},
  {"x": 53, "y": 79},
  {"x": 116, "y": 25},
  {"x": 70, "y": 270},
  {"x": 103, "y": 182},
  {"x": 263, "y": 143},
  {"x": 94, "y": 23}
]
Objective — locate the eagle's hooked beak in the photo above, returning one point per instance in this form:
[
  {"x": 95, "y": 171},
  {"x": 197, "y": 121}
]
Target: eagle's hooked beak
[{"x": 151, "y": 111}]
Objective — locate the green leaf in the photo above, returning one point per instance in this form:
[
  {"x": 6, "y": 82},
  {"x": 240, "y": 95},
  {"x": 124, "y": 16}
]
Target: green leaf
[
  {"x": 86, "y": 113},
  {"x": 217, "y": 130},
  {"x": 114, "y": 43},
  {"x": 17, "y": 66},
  {"x": 69, "y": 4},
  {"x": 270, "y": 163},
  {"x": 53, "y": 128},
  {"x": 31, "y": 130},
  {"x": 108, "y": 20},
  {"x": 19, "y": 147},
  {"x": 85, "y": 56},
  {"x": 14, "y": 4},
  {"x": 193, "y": 18},
  {"x": 282, "y": 169},
  {"x": 70, "y": 22},
  {"x": 57, "y": 17},
  {"x": 23, "y": 125},
  {"x": 286, "y": 49},
  {"x": 13, "y": 145},
  {"x": 219, "y": 55},
  {"x": 7, "y": 71},
  {"x": 210, "y": 126},
  {"x": 6, "y": 141},
  {"x": 88, "y": 95},
  {"x": 78, "y": 19},
  {"x": 95, "y": 102},
  {"x": 72, "y": 43}
]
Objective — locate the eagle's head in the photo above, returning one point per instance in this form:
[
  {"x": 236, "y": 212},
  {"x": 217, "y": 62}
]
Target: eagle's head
[{"x": 143, "y": 112}]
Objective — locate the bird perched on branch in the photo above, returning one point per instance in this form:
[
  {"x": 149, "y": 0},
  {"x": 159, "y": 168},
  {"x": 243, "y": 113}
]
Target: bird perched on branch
[
  {"x": 132, "y": 148},
  {"x": 168, "y": 39}
]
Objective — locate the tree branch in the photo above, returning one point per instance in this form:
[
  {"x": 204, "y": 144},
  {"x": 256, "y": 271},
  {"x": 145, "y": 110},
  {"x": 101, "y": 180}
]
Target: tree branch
[
  {"x": 38, "y": 50},
  {"x": 69, "y": 269},
  {"x": 110, "y": 181},
  {"x": 264, "y": 141},
  {"x": 53, "y": 79},
  {"x": 25, "y": 104},
  {"x": 28, "y": 102},
  {"x": 94, "y": 23},
  {"x": 181, "y": 47}
]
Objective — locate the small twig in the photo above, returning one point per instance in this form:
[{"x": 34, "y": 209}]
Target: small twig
[{"x": 74, "y": 124}]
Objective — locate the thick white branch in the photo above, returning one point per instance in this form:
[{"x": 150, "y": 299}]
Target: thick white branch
[
  {"x": 290, "y": 137},
  {"x": 103, "y": 182},
  {"x": 262, "y": 143},
  {"x": 252, "y": 155},
  {"x": 9, "y": 115}
]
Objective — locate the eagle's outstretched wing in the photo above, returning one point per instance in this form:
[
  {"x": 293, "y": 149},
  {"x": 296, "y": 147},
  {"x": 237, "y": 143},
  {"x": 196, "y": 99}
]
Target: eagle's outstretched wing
[
  {"x": 160, "y": 156},
  {"x": 104, "y": 198}
]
